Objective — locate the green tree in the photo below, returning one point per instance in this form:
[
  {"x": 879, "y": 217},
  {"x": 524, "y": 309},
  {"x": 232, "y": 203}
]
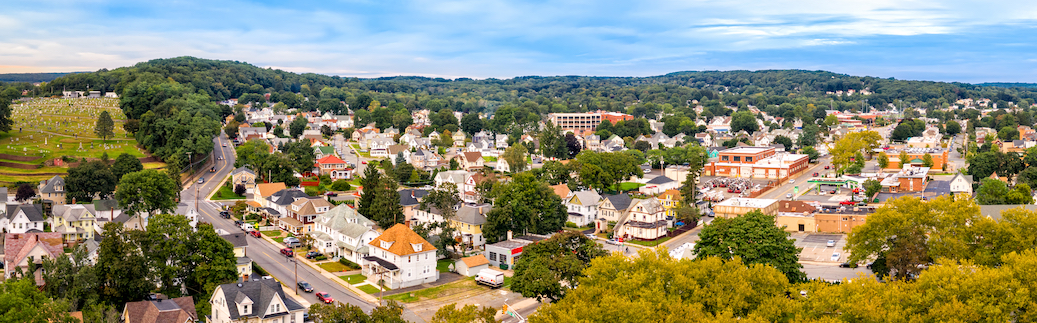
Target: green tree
[
  {"x": 552, "y": 143},
  {"x": 903, "y": 159},
  {"x": 471, "y": 123},
  {"x": 811, "y": 153},
  {"x": 339, "y": 312},
  {"x": 515, "y": 156},
  {"x": 22, "y": 301},
  {"x": 105, "y": 127},
  {"x": 852, "y": 145},
  {"x": 744, "y": 120},
  {"x": 784, "y": 141},
  {"x": 297, "y": 126},
  {"x": 765, "y": 243},
  {"x": 467, "y": 314},
  {"x": 524, "y": 205},
  {"x": 883, "y": 160},
  {"x": 927, "y": 160},
  {"x": 122, "y": 268},
  {"x": 952, "y": 128},
  {"x": 552, "y": 267},
  {"x": 992, "y": 192},
  {"x": 380, "y": 201},
  {"x": 125, "y": 164},
  {"x": 88, "y": 180},
  {"x": 147, "y": 191},
  {"x": 871, "y": 187},
  {"x": 72, "y": 278},
  {"x": 340, "y": 185},
  {"x": 602, "y": 171}
]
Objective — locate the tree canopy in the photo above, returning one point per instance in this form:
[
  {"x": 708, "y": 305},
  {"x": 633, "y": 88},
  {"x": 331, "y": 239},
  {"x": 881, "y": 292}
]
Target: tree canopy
[{"x": 755, "y": 239}]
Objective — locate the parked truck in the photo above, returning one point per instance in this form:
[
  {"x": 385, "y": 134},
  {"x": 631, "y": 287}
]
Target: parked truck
[{"x": 490, "y": 277}]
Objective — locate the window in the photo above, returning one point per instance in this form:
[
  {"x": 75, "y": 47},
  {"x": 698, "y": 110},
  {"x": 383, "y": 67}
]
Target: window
[
  {"x": 738, "y": 158},
  {"x": 723, "y": 158},
  {"x": 748, "y": 159},
  {"x": 493, "y": 256}
]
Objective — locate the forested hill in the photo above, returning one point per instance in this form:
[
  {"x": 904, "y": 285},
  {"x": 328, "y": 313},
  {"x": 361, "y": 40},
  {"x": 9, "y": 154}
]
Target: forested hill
[{"x": 997, "y": 84}]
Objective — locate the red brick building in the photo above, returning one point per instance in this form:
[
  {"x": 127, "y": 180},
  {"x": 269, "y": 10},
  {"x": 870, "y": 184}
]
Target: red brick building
[{"x": 756, "y": 162}]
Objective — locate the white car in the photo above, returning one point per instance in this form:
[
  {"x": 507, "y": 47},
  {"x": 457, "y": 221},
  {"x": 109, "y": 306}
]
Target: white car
[
  {"x": 831, "y": 243},
  {"x": 788, "y": 195},
  {"x": 201, "y": 180},
  {"x": 792, "y": 181},
  {"x": 835, "y": 256}
]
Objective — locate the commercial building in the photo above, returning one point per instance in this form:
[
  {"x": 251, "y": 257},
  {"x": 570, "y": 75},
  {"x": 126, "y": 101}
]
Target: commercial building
[
  {"x": 737, "y": 206},
  {"x": 909, "y": 179},
  {"x": 756, "y": 162},
  {"x": 916, "y": 157},
  {"x": 586, "y": 121}
]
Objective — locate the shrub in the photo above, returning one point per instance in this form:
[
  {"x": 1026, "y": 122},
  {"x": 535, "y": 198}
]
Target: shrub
[
  {"x": 340, "y": 185},
  {"x": 320, "y": 258},
  {"x": 570, "y": 224},
  {"x": 239, "y": 190},
  {"x": 259, "y": 270},
  {"x": 348, "y": 263},
  {"x": 504, "y": 266}
]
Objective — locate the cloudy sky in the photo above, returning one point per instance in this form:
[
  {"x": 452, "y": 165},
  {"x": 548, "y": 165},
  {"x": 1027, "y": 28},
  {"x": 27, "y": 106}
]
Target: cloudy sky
[{"x": 953, "y": 40}]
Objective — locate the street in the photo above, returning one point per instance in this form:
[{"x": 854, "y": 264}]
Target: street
[{"x": 262, "y": 253}]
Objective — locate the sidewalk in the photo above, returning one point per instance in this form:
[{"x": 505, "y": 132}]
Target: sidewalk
[
  {"x": 328, "y": 275},
  {"x": 692, "y": 231}
]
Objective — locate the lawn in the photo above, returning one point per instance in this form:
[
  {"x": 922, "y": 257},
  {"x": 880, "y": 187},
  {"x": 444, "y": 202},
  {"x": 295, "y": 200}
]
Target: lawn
[
  {"x": 370, "y": 289},
  {"x": 442, "y": 265},
  {"x": 489, "y": 159},
  {"x": 356, "y": 148},
  {"x": 279, "y": 240},
  {"x": 456, "y": 287},
  {"x": 271, "y": 233},
  {"x": 354, "y": 279},
  {"x": 649, "y": 243},
  {"x": 226, "y": 193},
  {"x": 629, "y": 186},
  {"x": 333, "y": 266}
]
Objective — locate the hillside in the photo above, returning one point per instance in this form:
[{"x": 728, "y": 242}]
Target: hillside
[{"x": 31, "y": 77}]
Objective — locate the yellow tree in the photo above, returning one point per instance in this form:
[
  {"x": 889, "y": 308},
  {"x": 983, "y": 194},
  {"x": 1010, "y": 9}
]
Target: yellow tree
[{"x": 851, "y": 144}]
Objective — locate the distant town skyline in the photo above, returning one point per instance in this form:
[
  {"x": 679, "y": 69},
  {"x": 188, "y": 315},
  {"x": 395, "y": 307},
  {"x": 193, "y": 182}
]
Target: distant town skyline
[{"x": 916, "y": 40}]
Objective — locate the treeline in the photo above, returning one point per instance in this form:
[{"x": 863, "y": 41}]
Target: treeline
[{"x": 30, "y": 77}]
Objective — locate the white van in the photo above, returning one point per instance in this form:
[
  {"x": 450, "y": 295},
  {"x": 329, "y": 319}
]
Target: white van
[
  {"x": 247, "y": 227},
  {"x": 490, "y": 277}
]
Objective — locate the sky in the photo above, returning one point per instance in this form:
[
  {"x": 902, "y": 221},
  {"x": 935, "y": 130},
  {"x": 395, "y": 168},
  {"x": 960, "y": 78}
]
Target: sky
[{"x": 960, "y": 41}]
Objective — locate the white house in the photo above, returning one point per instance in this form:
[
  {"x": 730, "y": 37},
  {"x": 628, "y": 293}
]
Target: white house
[
  {"x": 961, "y": 184},
  {"x": 470, "y": 266},
  {"x": 20, "y": 218},
  {"x": 254, "y": 301},
  {"x": 645, "y": 219},
  {"x": 343, "y": 232},
  {"x": 658, "y": 185},
  {"x": 582, "y": 207},
  {"x": 401, "y": 258},
  {"x": 190, "y": 212}
]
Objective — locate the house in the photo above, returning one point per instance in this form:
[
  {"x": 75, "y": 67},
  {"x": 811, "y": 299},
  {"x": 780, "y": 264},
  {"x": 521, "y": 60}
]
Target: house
[
  {"x": 334, "y": 167},
  {"x": 504, "y": 253},
  {"x": 643, "y": 219},
  {"x": 397, "y": 151},
  {"x": 796, "y": 216},
  {"x": 53, "y": 190},
  {"x": 22, "y": 248},
  {"x": 470, "y": 266},
  {"x": 658, "y": 185},
  {"x": 425, "y": 159},
  {"x": 240, "y": 242},
  {"x": 190, "y": 212},
  {"x": 323, "y": 151},
  {"x": 280, "y": 201},
  {"x": 343, "y": 232},
  {"x": 245, "y": 177},
  {"x": 21, "y": 218},
  {"x": 582, "y": 206},
  {"x": 471, "y": 160},
  {"x": 177, "y": 310},
  {"x": 458, "y": 138},
  {"x": 75, "y": 222},
  {"x": 737, "y": 206},
  {"x": 562, "y": 190},
  {"x": 302, "y": 213},
  {"x": 400, "y": 258},
  {"x": 457, "y": 177},
  {"x": 610, "y": 210},
  {"x": 410, "y": 199},
  {"x": 265, "y": 190},
  {"x": 254, "y": 301},
  {"x": 469, "y": 222},
  {"x": 379, "y": 147},
  {"x": 670, "y": 200},
  {"x": 961, "y": 184}
]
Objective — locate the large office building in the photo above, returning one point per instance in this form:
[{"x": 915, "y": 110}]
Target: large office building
[
  {"x": 756, "y": 162},
  {"x": 585, "y": 121}
]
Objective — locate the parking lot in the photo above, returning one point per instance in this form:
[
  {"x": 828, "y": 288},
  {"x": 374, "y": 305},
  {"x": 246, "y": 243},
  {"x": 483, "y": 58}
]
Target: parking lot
[
  {"x": 816, "y": 249},
  {"x": 717, "y": 189}
]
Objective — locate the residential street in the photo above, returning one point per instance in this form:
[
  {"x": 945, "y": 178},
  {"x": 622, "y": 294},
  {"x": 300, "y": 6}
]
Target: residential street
[{"x": 263, "y": 253}]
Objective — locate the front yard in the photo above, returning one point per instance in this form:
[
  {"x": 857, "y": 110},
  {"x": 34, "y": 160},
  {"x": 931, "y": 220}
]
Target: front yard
[
  {"x": 354, "y": 279},
  {"x": 456, "y": 287},
  {"x": 226, "y": 193},
  {"x": 652, "y": 243},
  {"x": 370, "y": 289},
  {"x": 333, "y": 266}
]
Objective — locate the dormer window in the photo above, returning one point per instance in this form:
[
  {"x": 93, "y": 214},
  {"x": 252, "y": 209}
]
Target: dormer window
[
  {"x": 386, "y": 244},
  {"x": 416, "y": 246},
  {"x": 246, "y": 309}
]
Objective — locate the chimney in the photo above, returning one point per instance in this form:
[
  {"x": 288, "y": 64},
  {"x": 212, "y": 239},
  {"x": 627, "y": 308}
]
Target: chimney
[{"x": 509, "y": 234}]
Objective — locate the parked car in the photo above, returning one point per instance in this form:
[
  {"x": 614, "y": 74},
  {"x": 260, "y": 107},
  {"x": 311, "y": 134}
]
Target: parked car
[
  {"x": 201, "y": 180},
  {"x": 225, "y": 214},
  {"x": 591, "y": 236},
  {"x": 847, "y": 265},
  {"x": 835, "y": 256},
  {"x": 313, "y": 254},
  {"x": 363, "y": 162},
  {"x": 612, "y": 241},
  {"x": 304, "y": 286},
  {"x": 788, "y": 195},
  {"x": 847, "y": 203},
  {"x": 254, "y": 233},
  {"x": 332, "y": 194},
  {"x": 792, "y": 181},
  {"x": 831, "y": 243},
  {"x": 827, "y": 167},
  {"x": 325, "y": 297},
  {"x": 238, "y": 223},
  {"x": 287, "y": 252}
]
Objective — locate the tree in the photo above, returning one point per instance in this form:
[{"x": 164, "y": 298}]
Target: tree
[
  {"x": 297, "y": 126},
  {"x": 125, "y": 164},
  {"x": 927, "y": 160},
  {"x": 340, "y": 185},
  {"x": 602, "y": 171},
  {"x": 88, "y": 180},
  {"x": 552, "y": 143},
  {"x": 122, "y": 269},
  {"x": 853, "y": 144},
  {"x": 904, "y": 159},
  {"x": 995, "y": 192},
  {"x": 784, "y": 141},
  {"x": 524, "y": 205},
  {"x": 131, "y": 126},
  {"x": 515, "y": 156},
  {"x": 25, "y": 192},
  {"x": 952, "y": 128},
  {"x": 552, "y": 267},
  {"x": 642, "y": 145},
  {"x": 71, "y": 277},
  {"x": 572, "y": 144},
  {"x": 744, "y": 120},
  {"x": 766, "y": 243},
  {"x": 147, "y": 191},
  {"x": 883, "y": 160},
  {"x": 471, "y": 123},
  {"x": 467, "y": 314},
  {"x": 339, "y": 312},
  {"x": 811, "y": 153},
  {"x": 239, "y": 189},
  {"x": 871, "y": 187},
  {"x": 104, "y": 127},
  {"x": 22, "y": 301},
  {"x": 380, "y": 201}
]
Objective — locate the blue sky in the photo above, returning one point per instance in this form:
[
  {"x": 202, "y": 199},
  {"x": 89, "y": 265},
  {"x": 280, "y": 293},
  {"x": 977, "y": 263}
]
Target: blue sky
[{"x": 965, "y": 41}]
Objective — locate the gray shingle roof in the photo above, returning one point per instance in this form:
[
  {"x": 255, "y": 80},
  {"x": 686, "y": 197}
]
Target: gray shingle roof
[
  {"x": 472, "y": 215},
  {"x": 410, "y": 197},
  {"x": 49, "y": 186},
  {"x": 287, "y": 196},
  {"x": 236, "y": 239},
  {"x": 620, "y": 201},
  {"x": 261, "y": 293},
  {"x": 660, "y": 180},
  {"x": 34, "y": 212},
  {"x": 242, "y": 169}
]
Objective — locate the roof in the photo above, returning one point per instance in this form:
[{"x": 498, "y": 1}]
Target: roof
[
  {"x": 72, "y": 212},
  {"x": 237, "y": 239},
  {"x": 345, "y": 220},
  {"x": 562, "y": 190},
  {"x": 242, "y": 169},
  {"x": 994, "y": 211},
  {"x": 287, "y": 196},
  {"x": 746, "y": 202},
  {"x": 18, "y": 245},
  {"x": 472, "y": 156},
  {"x": 967, "y": 178},
  {"x": 396, "y": 149},
  {"x": 50, "y": 184},
  {"x": 401, "y": 237},
  {"x": 308, "y": 206},
  {"x": 795, "y": 207},
  {"x": 33, "y": 212},
  {"x": 331, "y": 159},
  {"x": 410, "y": 197},
  {"x": 474, "y": 215},
  {"x": 619, "y": 201},
  {"x": 326, "y": 150},
  {"x": 382, "y": 262},
  {"x": 671, "y": 194},
  {"x": 476, "y": 260},
  {"x": 261, "y": 292},
  {"x": 660, "y": 180},
  {"x": 267, "y": 189},
  {"x": 585, "y": 198},
  {"x": 177, "y": 310}
]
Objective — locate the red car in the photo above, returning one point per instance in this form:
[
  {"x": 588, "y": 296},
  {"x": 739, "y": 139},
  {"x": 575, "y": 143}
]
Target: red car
[
  {"x": 287, "y": 252},
  {"x": 324, "y": 297},
  {"x": 826, "y": 166},
  {"x": 254, "y": 233},
  {"x": 847, "y": 203},
  {"x": 815, "y": 174}
]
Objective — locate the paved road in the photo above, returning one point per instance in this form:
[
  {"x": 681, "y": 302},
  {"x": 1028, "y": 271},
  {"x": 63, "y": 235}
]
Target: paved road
[
  {"x": 263, "y": 253},
  {"x": 780, "y": 192}
]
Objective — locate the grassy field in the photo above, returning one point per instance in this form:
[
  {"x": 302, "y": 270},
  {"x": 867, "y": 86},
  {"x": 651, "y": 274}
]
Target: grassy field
[
  {"x": 649, "y": 243},
  {"x": 443, "y": 265},
  {"x": 456, "y": 287},
  {"x": 627, "y": 186},
  {"x": 370, "y": 289},
  {"x": 333, "y": 266},
  {"x": 353, "y": 279},
  {"x": 225, "y": 193},
  {"x": 271, "y": 233}
]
